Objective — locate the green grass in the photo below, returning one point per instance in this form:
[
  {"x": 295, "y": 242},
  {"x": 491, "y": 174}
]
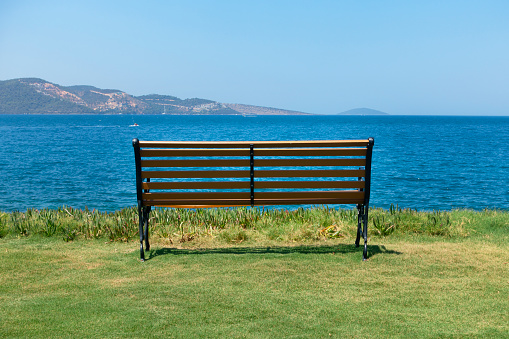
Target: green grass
[{"x": 254, "y": 274}]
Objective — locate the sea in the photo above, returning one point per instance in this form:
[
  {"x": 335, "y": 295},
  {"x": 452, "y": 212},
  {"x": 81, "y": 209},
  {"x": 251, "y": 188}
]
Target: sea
[{"x": 419, "y": 162}]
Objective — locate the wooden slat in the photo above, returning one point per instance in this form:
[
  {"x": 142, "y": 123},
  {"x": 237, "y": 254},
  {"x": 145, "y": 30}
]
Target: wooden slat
[
  {"x": 193, "y": 205},
  {"x": 196, "y": 195},
  {"x": 194, "y": 152},
  {"x": 309, "y": 184},
  {"x": 262, "y": 152},
  {"x": 310, "y": 195},
  {"x": 258, "y": 162},
  {"x": 196, "y": 163},
  {"x": 258, "y": 174},
  {"x": 308, "y": 162},
  {"x": 246, "y": 184},
  {"x": 264, "y": 202},
  {"x": 196, "y": 185},
  {"x": 309, "y": 152},
  {"x": 269, "y": 202},
  {"x": 198, "y": 203},
  {"x": 261, "y": 198},
  {"x": 261, "y": 144},
  {"x": 195, "y": 174},
  {"x": 308, "y": 173}
]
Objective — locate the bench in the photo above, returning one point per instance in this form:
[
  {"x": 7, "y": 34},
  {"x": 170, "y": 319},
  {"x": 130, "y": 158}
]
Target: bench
[{"x": 192, "y": 174}]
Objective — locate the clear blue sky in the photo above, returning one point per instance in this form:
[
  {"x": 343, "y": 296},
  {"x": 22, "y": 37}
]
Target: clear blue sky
[{"x": 401, "y": 57}]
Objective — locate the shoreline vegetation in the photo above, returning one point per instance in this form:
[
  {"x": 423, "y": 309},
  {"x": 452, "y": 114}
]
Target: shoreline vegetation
[{"x": 250, "y": 226}]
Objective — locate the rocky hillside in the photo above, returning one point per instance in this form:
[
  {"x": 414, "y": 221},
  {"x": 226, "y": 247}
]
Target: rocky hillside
[
  {"x": 257, "y": 110},
  {"x": 37, "y": 96}
]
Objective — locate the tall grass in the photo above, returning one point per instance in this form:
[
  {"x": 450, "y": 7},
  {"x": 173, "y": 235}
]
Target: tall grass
[
  {"x": 238, "y": 225},
  {"x": 70, "y": 223}
]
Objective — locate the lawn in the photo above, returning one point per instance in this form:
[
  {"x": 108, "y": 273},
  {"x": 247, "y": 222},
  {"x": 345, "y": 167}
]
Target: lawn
[{"x": 263, "y": 284}]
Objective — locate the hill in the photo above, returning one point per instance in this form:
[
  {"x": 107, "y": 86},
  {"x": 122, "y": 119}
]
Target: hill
[
  {"x": 28, "y": 96},
  {"x": 363, "y": 111},
  {"x": 257, "y": 110},
  {"x": 38, "y": 96}
]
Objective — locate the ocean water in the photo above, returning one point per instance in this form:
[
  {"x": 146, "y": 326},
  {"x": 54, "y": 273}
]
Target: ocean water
[{"x": 421, "y": 162}]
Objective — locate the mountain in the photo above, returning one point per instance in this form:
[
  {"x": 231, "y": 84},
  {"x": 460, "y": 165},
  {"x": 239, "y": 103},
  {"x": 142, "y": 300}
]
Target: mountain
[
  {"x": 38, "y": 96},
  {"x": 363, "y": 111}
]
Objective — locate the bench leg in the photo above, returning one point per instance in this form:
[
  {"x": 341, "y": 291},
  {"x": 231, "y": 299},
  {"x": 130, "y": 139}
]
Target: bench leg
[
  {"x": 360, "y": 214},
  {"x": 146, "y": 212},
  {"x": 365, "y": 234},
  {"x": 141, "y": 214}
]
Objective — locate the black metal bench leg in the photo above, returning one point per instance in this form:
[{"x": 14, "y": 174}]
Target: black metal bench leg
[
  {"x": 365, "y": 234},
  {"x": 141, "y": 214},
  {"x": 146, "y": 212},
  {"x": 360, "y": 210}
]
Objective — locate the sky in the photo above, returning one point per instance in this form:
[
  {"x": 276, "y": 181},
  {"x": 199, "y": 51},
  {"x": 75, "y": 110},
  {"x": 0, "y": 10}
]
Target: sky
[{"x": 325, "y": 57}]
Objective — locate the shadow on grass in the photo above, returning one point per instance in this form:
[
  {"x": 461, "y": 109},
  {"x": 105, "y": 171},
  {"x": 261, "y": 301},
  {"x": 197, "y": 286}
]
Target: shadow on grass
[{"x": 323, "y": 249}]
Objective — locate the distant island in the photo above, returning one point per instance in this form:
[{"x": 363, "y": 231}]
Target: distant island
[
  {"x": 38, "y": 96},
  {"x": 363, "y": 111}
]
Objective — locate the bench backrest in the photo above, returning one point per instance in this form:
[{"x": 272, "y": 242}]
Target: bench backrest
[{"x": 252, "y": 173}]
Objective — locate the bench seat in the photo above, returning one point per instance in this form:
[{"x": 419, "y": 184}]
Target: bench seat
[{"x": 196, "y": 174}]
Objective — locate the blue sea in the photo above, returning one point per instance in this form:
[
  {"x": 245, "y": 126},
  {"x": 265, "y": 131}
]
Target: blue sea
[{"x": 419, "y": 162}]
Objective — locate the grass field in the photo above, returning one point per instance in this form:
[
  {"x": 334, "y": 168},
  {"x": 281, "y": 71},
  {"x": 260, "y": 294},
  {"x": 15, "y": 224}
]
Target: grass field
[{"x": 254, "y": 274}]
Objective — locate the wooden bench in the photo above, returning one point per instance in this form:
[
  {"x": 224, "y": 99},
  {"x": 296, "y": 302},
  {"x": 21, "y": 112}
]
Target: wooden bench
[{"x": 190, "y": 174}]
